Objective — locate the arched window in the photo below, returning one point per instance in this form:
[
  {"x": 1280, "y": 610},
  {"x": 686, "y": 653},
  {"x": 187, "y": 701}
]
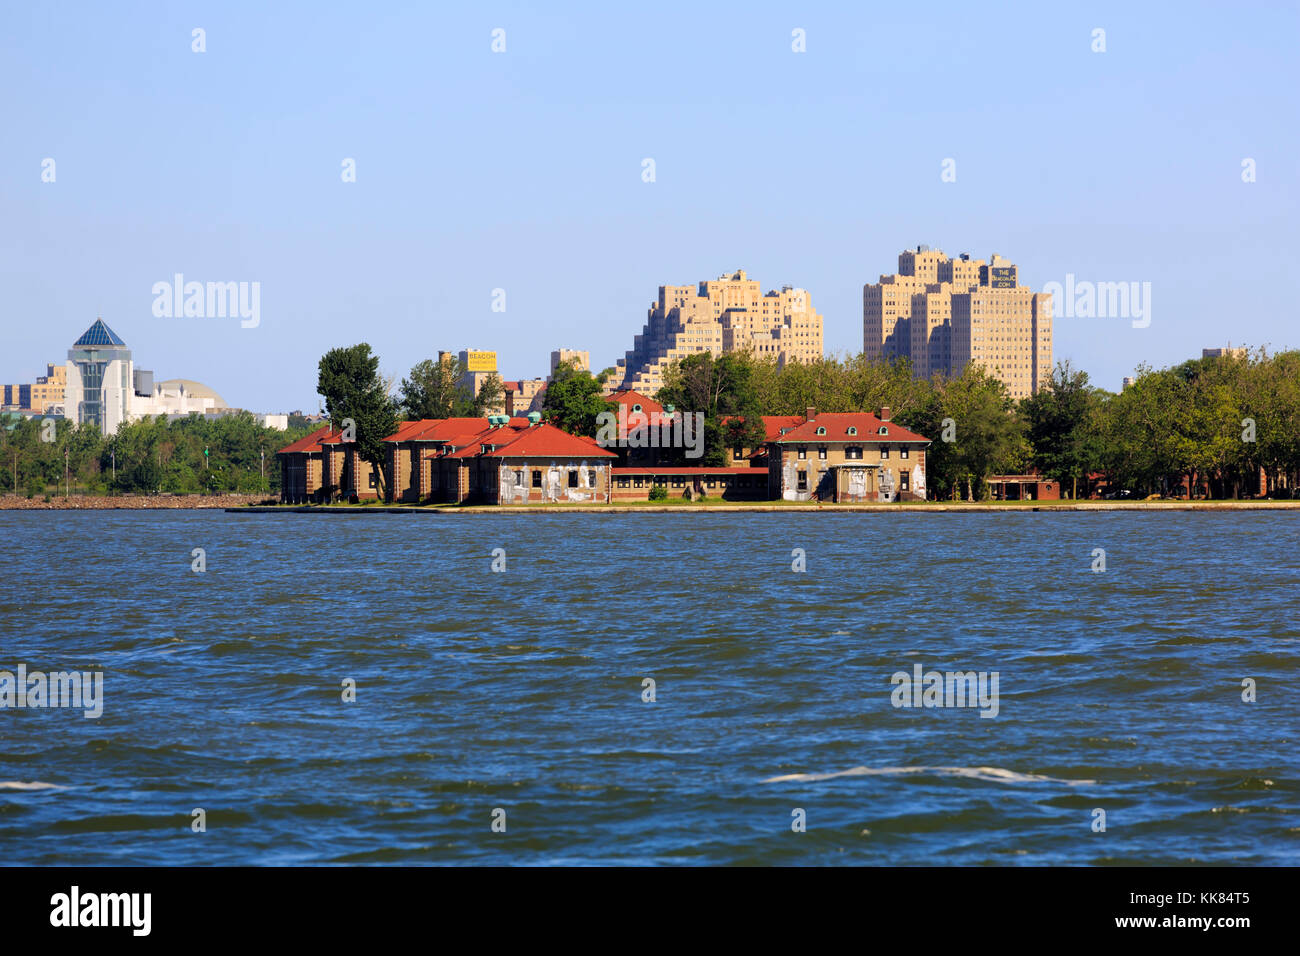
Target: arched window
[
  {"x": 821, "y": 429},
  {"x": 853, "y": 429}
]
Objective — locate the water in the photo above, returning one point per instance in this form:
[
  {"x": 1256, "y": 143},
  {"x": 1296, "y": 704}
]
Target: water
[{"x": 522, "y": 691}]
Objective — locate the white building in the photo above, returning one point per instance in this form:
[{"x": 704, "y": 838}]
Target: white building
[
  {"x": 106, "y": 388},
  {"x": 101, "y": 379}
]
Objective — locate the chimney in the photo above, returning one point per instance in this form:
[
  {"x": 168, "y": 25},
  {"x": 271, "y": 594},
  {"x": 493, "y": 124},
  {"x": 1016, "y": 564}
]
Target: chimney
[
  {"x": 810, "y": 413},
  {"x": 883, "y": 414}
]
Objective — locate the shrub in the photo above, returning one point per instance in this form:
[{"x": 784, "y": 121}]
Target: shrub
[{"x": 659, "y": 493}]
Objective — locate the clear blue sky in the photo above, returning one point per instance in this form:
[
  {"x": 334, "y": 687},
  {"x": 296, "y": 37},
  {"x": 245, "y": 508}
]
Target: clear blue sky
[{"x": 522, "y": 171}]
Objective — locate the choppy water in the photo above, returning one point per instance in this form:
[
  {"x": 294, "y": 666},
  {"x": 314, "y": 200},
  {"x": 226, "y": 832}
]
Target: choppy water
[{"x": 523, "y": 691}]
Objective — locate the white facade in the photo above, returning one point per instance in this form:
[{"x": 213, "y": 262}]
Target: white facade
[{"x": 100, "y": 379}]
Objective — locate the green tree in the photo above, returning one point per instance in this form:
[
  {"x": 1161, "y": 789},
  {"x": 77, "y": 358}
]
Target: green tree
[
  {"x": 976, "y": 411},
  {"x": 1061, "y": 426},
  {"x": 573, "y": 399},
  {"x": 434, "y": 391},
  {"x": 724, "y": 389},
  {"x": 350, "y": 383},
  {"x": 491, "y": 394}
]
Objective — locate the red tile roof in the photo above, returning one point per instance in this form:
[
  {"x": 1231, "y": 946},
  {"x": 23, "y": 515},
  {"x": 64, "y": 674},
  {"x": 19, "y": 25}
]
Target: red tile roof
[
  {"x": 546, "y": 441},
  {"x": 772, "y": 424},
  {"x": 436, "y": 429},
  {"x": 837, "y": 425},
  {"x": 628, "y": 397},
  {"x": 308, "y": 443}
]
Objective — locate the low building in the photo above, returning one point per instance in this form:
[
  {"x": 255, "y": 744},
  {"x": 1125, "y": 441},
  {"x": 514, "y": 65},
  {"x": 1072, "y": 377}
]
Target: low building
[
  {"x": 502, "y": 460},
  {"x": 301, "y": 476},
  {"x": 495, "y": 460},
  {"x": 1031, "y": 487},
  {"x": 634, "y": 483},
  {"x": 845, "y": 457},
  {"x": 535, "y": 465}
]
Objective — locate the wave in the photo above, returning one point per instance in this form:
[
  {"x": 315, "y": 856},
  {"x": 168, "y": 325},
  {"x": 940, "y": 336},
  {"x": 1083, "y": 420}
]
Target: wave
[
  {"x": 33, "y": 785},
  {"x": 988, "y": 774}
]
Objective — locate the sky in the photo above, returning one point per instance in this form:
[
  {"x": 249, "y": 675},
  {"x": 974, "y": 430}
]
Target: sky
[{"x": 523, "y": 170}]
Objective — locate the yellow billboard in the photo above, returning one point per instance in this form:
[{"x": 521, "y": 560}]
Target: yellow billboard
[{"x": 479, "y": 361}]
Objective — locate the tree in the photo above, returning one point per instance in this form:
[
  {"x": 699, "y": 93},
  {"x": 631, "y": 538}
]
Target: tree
[
  {"x": 1061, "y": 426},
  {"x": 434, "y": 391},
  {"x": 574, "y": 399},
  {"x": 350, "y": 383},
  {"x": 723, "y": 388},
  {"x": 491, "y": 395},
  {"x": 975, "y": 409}
]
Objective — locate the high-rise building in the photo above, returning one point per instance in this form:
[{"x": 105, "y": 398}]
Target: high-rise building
[
  {"x": 943, "y": 313},
  {"x": 101, "y": 379},
  {"x": 580, "y": 358},
  {"x": 725, "y": 315}
]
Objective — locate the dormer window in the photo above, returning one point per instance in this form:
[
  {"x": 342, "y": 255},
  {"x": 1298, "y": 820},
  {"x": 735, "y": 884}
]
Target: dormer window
[
  {"x": 883, "y": 430},
  {"x": 853, "y": 430},
  {"x": 636, "y": 408},
  {"x": 821, "y": 429}
]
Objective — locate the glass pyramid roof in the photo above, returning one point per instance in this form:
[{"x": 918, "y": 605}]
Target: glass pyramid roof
[{"x": 99, "y": 334}]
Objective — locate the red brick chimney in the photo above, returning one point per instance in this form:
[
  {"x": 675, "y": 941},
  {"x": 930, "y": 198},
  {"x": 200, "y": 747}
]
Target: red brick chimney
[
  {"x": 810, "y": 413},
  {"x": 883, "y": 414}
]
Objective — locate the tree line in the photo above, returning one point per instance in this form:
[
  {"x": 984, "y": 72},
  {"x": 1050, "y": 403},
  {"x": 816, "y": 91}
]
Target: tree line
[
  {"x": 1211, "y": 424},
  {"x": 191, "y": 455}
]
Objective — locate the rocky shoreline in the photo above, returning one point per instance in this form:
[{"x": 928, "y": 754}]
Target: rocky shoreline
[{"x": 130, "y": 502}]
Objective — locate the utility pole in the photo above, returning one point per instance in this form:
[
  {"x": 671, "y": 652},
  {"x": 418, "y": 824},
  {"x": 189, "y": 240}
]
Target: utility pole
[
  {"x": 67, "y": 475},
  {"x": 113, "y": 454},
  {"x": 264, "y": 464}
]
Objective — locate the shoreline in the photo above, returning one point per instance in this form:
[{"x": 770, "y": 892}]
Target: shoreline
[
  {"x": 779, "y": 508},
  {"x": 255, "y": 504},
  {"x": 228, "y": 502}
]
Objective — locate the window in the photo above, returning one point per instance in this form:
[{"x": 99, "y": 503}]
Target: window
[
  {"x": 678, "y": 481},
  {"x": 803, "y": 452},
  {"x": 853, "y": 451},
  {"x": 537, "y": 479},
  {"x": 737, "y": 453},
  {"x": 573, "y": 477},
  {"x": 821, "y": 429},
  {"x": 902, "y": 480},
  {"x": 902, "y": 452},
  {"x": 883, "y": 430},
  {"x": 821, "y": 452},
  {"x": 622, "y": 482},
  {"x": 803, "y": 481},
  {"x": 884, "y": 452},
  {"x": 638, "y": 482},
  {"x": 372, "y": 479},
  {"x": 636, "y": 408},
  {"x": 853, "y": 430}
]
